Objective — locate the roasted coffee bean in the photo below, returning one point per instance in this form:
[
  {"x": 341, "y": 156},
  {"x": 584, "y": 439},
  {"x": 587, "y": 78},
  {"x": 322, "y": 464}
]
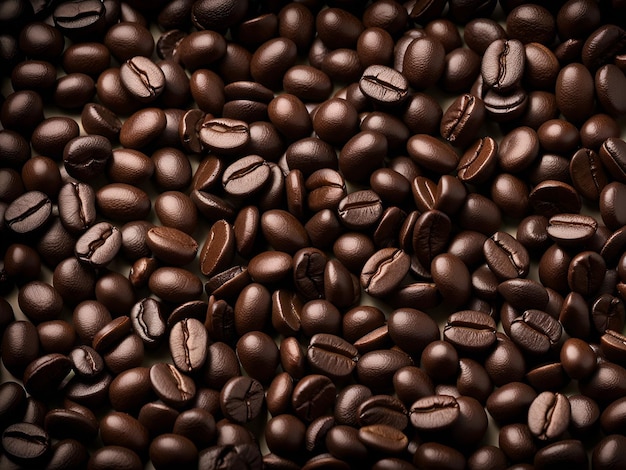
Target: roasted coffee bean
[
  {"x": 241, "y": 399},
  {"x": 535, "y": 331},
  {"x": 384, "y": 270},
  {"x": 549, "y": 415},
  {"x": 506, "y": 257},
  {"x": 246, "y": 176},
  {"x": 431, "y": 153},
  {"x": 571, "y": 229},
  {"x": 171, "y": 245},
  {"x": 312, "y": 396},
  {"x": 86, "y": 362},
  {"x": 384, "y": 85},
  {"x": 434, "y": 413},
  {"x": 175, "y": 284},
  {"x": 97, "y": 119},
  {"x": 331, "y": 356},
  {"x": 461, "y": 121},
  {"x": 26, "y": 443},
  {"x": 470, "y": 331},
  {"x": 99, "y": 244},
  {"x": 188, "y": 342},
  {"x": 586, "y": 272},
  {"x": 173, "y": 387},
  {"x": 85, "y": 157},
  {"x": 28, "y": 213},
  {"x": 77, "y": 206},
  {"x": 503, "y": 65}
]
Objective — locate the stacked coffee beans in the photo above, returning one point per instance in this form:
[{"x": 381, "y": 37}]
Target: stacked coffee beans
[{"x": 289, "y": 235}]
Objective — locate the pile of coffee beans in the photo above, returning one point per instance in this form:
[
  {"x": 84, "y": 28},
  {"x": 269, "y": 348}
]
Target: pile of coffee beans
[{"x": 243, "y": 234}]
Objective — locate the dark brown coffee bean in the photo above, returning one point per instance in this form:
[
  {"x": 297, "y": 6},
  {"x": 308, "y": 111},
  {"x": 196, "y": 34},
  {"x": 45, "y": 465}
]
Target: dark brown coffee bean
[
  {"x": 419, "y": 53},
  {"x": 431, "y": 153},
  {"x": 171, "y": 245},
  {"x": 571, "y": 229},
  {"x": 97, "y": 119},
  {"x": 470, "y": 331},
  {"x": 384, "y": 271},
  {"x": 376, "y": 369},
  {"x": 574, "y": 92},
  {"x": 224, "y": 136},
  {"x": 331, "y": 356},
  {"x": 28, "y": 212},
  {"x": 362, "y": 155},
  {"x": 99, "y": 244},
  {"x": 503, "y": 65},
  {"x": 586, "y": 272},
  {"x": 607, "y": 313},
  {"x": 434, "y": 413},
  {"x": 271, "y": 60},
  {"x": 46, "y": 373},
  {"x": 26, "y": 443},
  {"x": 312, "y": 396},
  {"x": 175, "y": 284},
  {"x": 241, "y": 399},
  {"x": 462, "y": 120},
  {"x": 506, "y": 257},
  {"x": 290, "y": 241},
  {"x": 383, "y": 85},
  {"x": 173, "y": 387},
  {"x": 535, "y": 331},
  {"x": 601, "y": 45},
  {"x": 360, "y": 209}
]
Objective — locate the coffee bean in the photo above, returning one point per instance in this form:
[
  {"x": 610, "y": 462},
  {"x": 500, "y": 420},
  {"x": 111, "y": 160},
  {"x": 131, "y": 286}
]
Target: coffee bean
[
  {"x": 434, "y": 413},
  {"x": 28, "y": 213},
  {"x": 503, "y": 65},
  {"x": 258, "y": 355},
  {"x": 586, "y": 272},
  {"x": 273, "y": 223},
  {"x": 241, "y": 399},
  {"x": 613, "y": 156},
  {"x": 142, "y": 78},
  {"x": 587, "y": 173},
  {"x": 188, "y": 344},
  {"x": 85, "y": 157},
  {"x": 506, "y": 257},
  {"x": 99, "y": 244},
  {"x": 331, "y": 356},
  {"x": 470, "y": 330},
  {"x": 246, "y": 176},
  {"x": 312, "y": 396},
  {"x": 383, "y": 85},
  {"x": 571, "y": 229},
  {"x": 77, "y": 206},
  {"x": 173, "y": 387},
  {"x": 175, "y": 284},
  {"x": 384, "y": 271},
  {"x": 548, "y": 415},
  {"x": 171, "y": 245},
  {"x": 26, "y": 443},
  {"x": 431, "y": 153},
  {"x": 535, "y": 331}
]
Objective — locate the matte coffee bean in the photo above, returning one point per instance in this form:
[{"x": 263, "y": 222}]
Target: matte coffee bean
[
  {"x": 376, "y": 369},
  {"x": 286, "y": 312},
  {"x": 613, "y": 156},
  {"x": 259, "y": 355},
  {"x": 28, "y": 212},
  {"x": 114, "y": 455},
  {"x": 142, "y": 128},
  {"x": 99, "y": 244},
  {"x": 169, "y": 450},
  {"x": 26, "y": 443},
  {"x": 383, "y": 85},
  {"x": 241, "y": 399},
  {"x": 188, "y": 342},
  {"x": 171, "y": 245},
  {"x": 607, "y": 313},
  {"x": 312, "y": 396},
  {"x": 97, "y": 119},
  {"x": 360, "y": 209},
  {"x": 574, "y": 92},
  {"x": 549, "y": 415},
  {"x": 452, "y": 278},
  {"x": 503, "y": 65}
]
